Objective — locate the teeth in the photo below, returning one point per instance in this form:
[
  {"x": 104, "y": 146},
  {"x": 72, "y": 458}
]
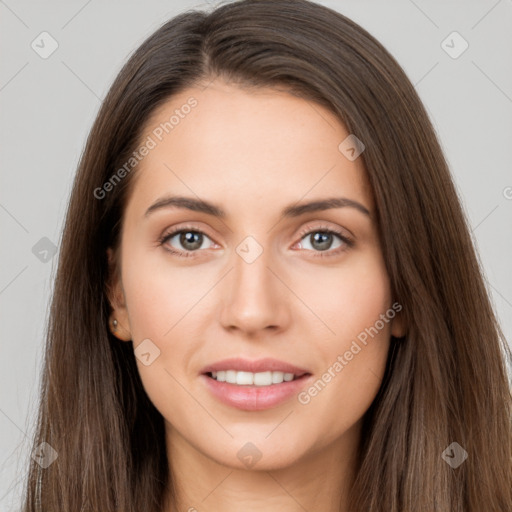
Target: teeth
[
  {"x": 248, "y": 378},
  {"x": 263, "y": 379},
  {"x": 230, "y": 376}
]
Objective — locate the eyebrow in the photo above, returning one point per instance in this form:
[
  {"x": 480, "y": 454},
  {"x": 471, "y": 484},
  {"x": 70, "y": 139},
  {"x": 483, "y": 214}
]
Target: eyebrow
[{"x": 294, "y": 210}]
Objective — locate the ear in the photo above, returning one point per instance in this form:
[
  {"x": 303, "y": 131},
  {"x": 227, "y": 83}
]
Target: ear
[
  {"x": 117, "y": 300},
  {"x": 398, "y": 327}
]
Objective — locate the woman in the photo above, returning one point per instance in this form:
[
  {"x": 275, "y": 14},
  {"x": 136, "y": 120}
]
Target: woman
[{"x": 267, "y": 294}]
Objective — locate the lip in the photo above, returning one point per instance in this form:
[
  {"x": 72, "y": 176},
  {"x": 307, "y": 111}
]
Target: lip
[
  {"x": 255, "y": 398},
  {"x": 258, "y": 365},
  {"x": 252, "y": 397}
]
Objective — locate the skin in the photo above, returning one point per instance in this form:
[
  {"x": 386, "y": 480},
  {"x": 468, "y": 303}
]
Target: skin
[{"x": 254, "y": 152}]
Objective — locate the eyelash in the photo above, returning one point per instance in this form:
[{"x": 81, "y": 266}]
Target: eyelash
[{"x": 307, "y": 231}]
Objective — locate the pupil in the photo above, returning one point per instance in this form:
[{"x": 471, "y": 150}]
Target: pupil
[
  {"x": 322, "y": 240},
  {"x": 191, "y": 240}
]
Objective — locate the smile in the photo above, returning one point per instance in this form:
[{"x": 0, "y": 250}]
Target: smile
[
  {"x": 242, "y": 378},
  {"x": 253, "y": 397}
]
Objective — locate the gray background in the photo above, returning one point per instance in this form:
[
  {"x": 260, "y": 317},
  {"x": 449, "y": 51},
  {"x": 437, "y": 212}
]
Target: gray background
[{"x": 48, "y": 106}]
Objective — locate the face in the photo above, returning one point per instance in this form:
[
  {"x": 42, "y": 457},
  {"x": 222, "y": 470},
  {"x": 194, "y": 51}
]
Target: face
[{"x": 274, "y": 286}]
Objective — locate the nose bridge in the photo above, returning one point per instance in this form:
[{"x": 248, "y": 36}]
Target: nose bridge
[
  {"x": 253, "y": 299},
  {"x": 251, "y": 274}
]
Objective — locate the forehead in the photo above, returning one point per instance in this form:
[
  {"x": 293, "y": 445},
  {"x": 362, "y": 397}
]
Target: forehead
[{"x": 243, "y": 147}]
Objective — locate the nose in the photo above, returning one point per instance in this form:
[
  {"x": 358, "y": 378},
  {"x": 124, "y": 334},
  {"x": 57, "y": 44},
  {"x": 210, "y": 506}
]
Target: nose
[{"x": 254, "y": 298}]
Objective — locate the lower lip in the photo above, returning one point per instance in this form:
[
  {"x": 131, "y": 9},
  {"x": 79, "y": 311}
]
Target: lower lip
[{"x": 255, "y": 398}]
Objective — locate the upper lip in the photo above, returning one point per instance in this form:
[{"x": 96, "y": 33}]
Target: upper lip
[{"x": 254, "y": 366}]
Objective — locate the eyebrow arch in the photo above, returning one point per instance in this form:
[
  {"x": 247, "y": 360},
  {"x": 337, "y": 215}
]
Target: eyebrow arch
[{"x": 295, "y": 210}]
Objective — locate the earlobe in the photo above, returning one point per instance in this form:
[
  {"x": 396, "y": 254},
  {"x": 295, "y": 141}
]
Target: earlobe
[
  {"x": 119, "y": 323},
  {"x": 119, "y": 330},
  {"x": 398, "y": 327}
]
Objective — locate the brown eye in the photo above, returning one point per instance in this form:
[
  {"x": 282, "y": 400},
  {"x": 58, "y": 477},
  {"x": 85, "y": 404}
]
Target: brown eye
[{"x": 190, "y": 240}]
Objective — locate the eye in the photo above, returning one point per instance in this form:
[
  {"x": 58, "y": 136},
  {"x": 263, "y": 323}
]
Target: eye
[
  {"x": 321, "y": 239},
  {"x": 190, "y": 239}
]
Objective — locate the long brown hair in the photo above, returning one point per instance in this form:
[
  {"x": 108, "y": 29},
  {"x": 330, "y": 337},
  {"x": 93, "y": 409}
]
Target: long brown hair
[{"x": 446, "y": 380}]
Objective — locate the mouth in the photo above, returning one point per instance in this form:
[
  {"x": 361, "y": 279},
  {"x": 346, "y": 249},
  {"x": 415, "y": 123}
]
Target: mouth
[
  {"x": 259, "y": 379},
  {"x": 254, "y": 385},
  {"x": 260, "y": 372}
]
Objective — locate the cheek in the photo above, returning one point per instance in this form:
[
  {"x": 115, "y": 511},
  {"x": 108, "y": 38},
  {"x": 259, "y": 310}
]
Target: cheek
[
  {"x": 162, "y": 305},
  {"x": 354, "y": 380},
  {"x": 353, "y": 304},
  {"x": 160, "y": 294},
  {"x": 351, "y": 298}
]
